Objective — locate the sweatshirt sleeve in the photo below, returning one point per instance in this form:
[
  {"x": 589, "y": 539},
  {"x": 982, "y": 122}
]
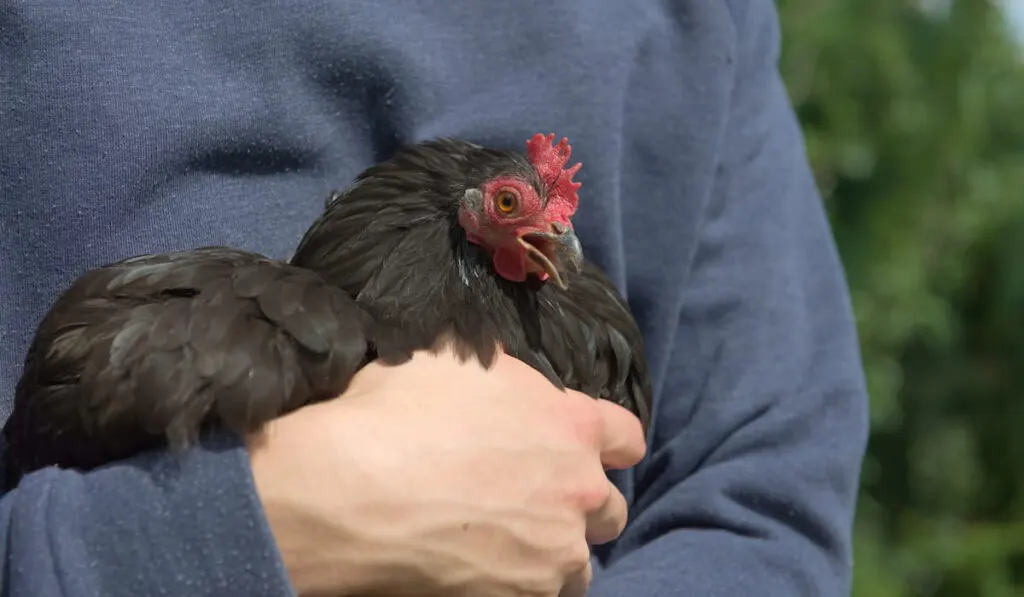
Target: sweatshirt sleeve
[
  {"x": 751, "y": 478},
  {"x": 153, "y": 525}
]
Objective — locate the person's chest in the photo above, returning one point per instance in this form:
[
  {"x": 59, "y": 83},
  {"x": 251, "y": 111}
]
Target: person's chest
[{"x": 147, "y": 126}]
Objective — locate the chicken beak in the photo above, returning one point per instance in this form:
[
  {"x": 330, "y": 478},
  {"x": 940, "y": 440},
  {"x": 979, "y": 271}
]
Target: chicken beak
[{"x": 556, "y": 253}]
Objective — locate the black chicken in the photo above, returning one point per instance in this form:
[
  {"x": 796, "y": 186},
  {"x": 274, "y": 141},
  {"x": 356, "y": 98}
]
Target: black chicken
[{"x": 446, "y": 241}]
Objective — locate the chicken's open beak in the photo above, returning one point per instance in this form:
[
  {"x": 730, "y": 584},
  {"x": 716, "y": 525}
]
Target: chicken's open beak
[{"x": 556, "y": 253}]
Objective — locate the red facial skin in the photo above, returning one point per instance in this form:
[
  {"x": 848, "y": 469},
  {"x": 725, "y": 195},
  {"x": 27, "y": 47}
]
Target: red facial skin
[
  {"x": 499, "y": 231},
  {"x": 502, "y": 233}
]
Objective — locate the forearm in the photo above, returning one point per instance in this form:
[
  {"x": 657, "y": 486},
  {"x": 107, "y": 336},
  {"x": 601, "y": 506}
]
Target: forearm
[
  {"x": 154, "y": 524},
  {"x": 761, "y": 420},
  {"x": 760, "y": 507}
]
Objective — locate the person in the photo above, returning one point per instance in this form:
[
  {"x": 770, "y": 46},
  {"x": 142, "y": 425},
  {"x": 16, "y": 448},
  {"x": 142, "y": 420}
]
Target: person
[{"x": 146, "y": 126}]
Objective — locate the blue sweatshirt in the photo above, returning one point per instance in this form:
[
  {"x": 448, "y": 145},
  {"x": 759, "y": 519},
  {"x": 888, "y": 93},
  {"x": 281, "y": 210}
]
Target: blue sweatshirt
[{"x": 145, "y": 126}]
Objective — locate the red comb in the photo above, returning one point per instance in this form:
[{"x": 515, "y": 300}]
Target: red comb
[{"x": 550, "y": 160}]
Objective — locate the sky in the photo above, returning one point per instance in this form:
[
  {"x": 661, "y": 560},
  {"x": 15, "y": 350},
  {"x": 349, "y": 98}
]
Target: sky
[
  {"x": 1014, "y": 10},
  {"x": 1015, "y": 13}
]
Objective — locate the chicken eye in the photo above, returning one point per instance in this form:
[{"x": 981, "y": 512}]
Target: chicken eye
[{"x": 506, "y": 201}]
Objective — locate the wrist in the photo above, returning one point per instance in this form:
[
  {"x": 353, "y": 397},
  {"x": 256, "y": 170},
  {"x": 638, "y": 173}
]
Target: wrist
[{"x": 313, "y": 548}]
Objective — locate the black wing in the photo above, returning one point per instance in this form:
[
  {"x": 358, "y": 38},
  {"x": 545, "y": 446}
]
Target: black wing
[
  {"x": 150, "y": 350},
  {"x": 592, "y": 342}
]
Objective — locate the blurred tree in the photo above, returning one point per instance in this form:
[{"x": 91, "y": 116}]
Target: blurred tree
[{"x": 913, "y": 113}]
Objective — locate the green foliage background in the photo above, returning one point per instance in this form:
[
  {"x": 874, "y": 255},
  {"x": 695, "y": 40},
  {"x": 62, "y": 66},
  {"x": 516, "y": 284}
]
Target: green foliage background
[{"x": 914, "y": 123}]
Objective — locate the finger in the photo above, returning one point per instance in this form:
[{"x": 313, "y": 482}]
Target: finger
[
  {"x": 578, "y": 584},
  {"x": 622, "y": 442},
  {"x": 606, "y": 523}
]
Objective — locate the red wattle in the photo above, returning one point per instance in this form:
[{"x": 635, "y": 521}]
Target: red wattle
[{"x": 510, "y": 264}]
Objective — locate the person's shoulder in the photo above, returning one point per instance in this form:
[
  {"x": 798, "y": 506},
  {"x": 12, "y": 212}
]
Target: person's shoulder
[
  {"x": 743, "y": 10},
  {"x": 742, "y": 22},
  {"x": 757, "y": 24}
]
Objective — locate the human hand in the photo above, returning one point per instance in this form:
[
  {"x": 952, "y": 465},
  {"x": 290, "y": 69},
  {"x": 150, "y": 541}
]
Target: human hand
[{"x": 437, "y": 477}]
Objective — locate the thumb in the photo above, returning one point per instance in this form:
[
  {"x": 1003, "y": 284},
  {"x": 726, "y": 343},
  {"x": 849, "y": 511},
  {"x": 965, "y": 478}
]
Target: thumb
[{"x": 622, "y": 442}]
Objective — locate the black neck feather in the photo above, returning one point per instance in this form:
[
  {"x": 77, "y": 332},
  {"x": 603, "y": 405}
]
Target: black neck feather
[{"x": 393, "y": 241}]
